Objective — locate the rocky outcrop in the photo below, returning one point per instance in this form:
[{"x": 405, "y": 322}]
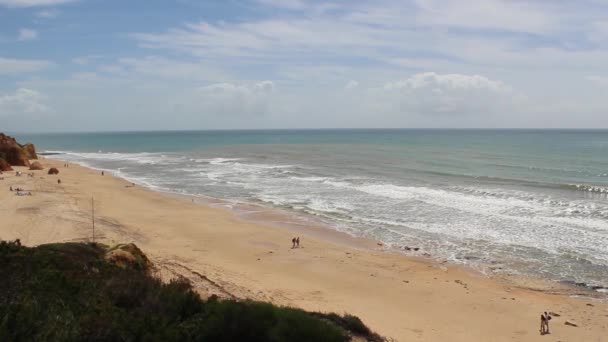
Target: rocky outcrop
[
  {"x": 4, "y": 166},
  {"x": 129, "y": 256},
  {"x": 30, "y": 151},
  {"x": 53, "y": 171},
  {"x": 14, "y": 153},
  {"x": 36, "y": 166}
]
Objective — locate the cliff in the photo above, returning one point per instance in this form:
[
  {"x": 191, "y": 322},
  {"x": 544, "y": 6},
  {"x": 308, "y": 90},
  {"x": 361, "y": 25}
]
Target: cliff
[{"x": 14, "y": 153}]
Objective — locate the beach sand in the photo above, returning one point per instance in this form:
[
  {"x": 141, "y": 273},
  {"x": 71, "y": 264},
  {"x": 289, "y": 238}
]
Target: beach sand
[{"x": 401, "y": 297}]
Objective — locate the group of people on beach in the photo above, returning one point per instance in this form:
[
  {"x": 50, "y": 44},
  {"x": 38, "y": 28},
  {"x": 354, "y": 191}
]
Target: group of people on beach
[
  {"x": 295, "y": 242},
  {"x": 20, "y": 191}
]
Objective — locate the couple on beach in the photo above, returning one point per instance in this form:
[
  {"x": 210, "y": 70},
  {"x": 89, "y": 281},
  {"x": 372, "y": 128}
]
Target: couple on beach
[{"x": 295, "y": 242}]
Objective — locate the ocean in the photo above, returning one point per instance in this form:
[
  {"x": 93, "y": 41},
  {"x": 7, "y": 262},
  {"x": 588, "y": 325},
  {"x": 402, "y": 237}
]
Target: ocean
[{"x": 526, "y": 202}]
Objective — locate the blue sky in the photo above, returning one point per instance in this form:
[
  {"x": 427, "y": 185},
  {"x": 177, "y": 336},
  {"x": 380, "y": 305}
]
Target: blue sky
[{"x": 138, "y": 65}]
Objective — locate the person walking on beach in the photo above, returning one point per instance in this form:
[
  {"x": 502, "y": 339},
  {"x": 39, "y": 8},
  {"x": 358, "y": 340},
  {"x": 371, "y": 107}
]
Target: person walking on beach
[
  {"x": 293, "y": 243},
  {"x": 298, "y": 242}
]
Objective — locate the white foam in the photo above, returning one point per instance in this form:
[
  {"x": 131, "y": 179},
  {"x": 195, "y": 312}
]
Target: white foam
[
  {"x": 217, "y": 161},
  {"x": 309, "y": 179}
]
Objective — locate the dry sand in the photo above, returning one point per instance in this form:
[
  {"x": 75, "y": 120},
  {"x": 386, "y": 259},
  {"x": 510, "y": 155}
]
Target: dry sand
[{"x": 401, "y": 297}]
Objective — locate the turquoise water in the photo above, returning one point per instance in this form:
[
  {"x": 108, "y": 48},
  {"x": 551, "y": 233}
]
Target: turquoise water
[{"x": 517, "y": 201}]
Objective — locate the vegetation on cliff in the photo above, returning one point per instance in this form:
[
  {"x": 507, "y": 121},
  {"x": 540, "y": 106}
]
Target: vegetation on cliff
[{"x": 79, "y": 292}]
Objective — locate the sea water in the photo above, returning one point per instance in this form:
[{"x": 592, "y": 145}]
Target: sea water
[{"x": 532, "y": 202}]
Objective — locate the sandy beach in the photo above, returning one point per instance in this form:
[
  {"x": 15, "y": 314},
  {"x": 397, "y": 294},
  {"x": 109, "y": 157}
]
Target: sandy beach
[{"x": 222, "y": 252}]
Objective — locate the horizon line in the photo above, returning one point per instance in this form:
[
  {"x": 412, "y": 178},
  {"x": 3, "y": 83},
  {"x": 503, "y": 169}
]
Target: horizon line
[{"x": 313, "y": 129}]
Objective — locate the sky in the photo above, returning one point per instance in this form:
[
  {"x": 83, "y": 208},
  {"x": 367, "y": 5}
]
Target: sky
[{"x": 92, "y": 65}]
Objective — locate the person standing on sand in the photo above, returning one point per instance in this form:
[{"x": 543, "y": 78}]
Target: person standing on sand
[
  {"x": 298, "y": 242},
  {"x": 544, "y": 323},
  {"x": 293, "y": 243}
]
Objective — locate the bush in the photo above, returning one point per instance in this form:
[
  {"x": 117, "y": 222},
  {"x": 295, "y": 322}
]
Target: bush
[{"x": 66, "y": 292}]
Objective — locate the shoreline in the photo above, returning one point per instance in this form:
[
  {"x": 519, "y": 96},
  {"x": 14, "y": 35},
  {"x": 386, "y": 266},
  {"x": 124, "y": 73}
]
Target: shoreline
[
  {"x": 310, "y": 224},
  {"x": 396, "y": 294}
]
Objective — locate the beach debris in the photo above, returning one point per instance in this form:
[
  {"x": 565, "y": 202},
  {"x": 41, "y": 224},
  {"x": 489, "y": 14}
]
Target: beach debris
[
  {"x": 53, "y": 171},
  {"x": 461, "y": 283},
  {"x": 589, "y": 304},
  {"x": 380, "y": 244},
  {"x": 36, "y": 166},
  {"x": 571, "y": 323},
  {"x": 554, "y": 314}
]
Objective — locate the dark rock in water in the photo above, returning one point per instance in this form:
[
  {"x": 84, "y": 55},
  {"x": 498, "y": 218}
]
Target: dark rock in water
[
  {"x": 53, "y": 171},
  {"x": 4, "y": 166},
  {"x": 416, "y": 249},
  {"x": 36, "y": 166},
  {"x": 14, "y": 153}
]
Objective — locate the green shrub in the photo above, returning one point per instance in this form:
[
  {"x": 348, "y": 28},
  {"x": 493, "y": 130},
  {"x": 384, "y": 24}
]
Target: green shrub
[{"x": 68, "y": 292}]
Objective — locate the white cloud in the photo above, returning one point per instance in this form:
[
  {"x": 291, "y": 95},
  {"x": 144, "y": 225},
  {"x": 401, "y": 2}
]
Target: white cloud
[
  {"x": 448, "y": 81},
  {"x": 517, "y": 16},
  {"x": 84, "y": 60},
  {"x": 17, "y": 66},
  {"x": 288, "y": 4},
  {"x": 235, "y": 99},
  {"x": 415, "y": 34},
  {"x": 23, "y": 101},
  {"x": 81, "y": 60},
  {"x": 458, "y": 94},
  {"x": 601, "y": 80},
  {"x": 351, "y": 85},
  {"x": 27, "y": 34},
  {"x": 48, "y": 14},
  {"x": 317, "y": 49},
  {"x": 32, "y": 3},
  {"x": 160, "y": 67}
]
